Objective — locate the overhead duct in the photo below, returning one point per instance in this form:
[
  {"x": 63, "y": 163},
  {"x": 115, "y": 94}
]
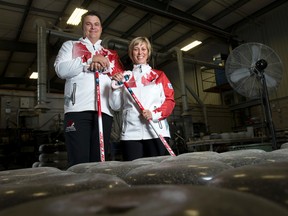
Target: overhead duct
[
  {"x": 41, "y": 66},
  {"x": 63, "y": 34},
  {"x": 119, "y": 42},
  {"x": 203, "y": 63}
]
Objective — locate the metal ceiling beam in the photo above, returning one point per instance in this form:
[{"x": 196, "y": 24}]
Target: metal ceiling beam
[
  {"x": 217, "y": 17},
  {"x": 62, "y": 13},
  {"x": 178, "y": 40},
  {"x": 137, "y": 25},
  {"x": 227, "y": 11},
  {"x": 85, "y": 4},
  {"x": 38, "y": 10},
  {"x": 23, "y": 20},
  {"x": 251, "y": 17},
  {"x": 258, "y": 13},
  {"x": 172, "y": 24},
  {"x": 113, "y": 16},
  {"x": 156, "y": 7}
]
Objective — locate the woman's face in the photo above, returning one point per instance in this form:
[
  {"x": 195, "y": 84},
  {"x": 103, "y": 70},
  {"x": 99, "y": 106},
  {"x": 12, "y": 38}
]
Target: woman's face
[
  {"x": 92, "y": 28},
  {"x": 140, "y": 53}
]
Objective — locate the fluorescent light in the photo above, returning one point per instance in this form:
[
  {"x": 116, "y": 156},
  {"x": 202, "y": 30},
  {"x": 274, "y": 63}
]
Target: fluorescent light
[
  {"x": 34, "y": 75},
  {"x": 191, "y": 45},
  {"x": 75, "y": 18}
]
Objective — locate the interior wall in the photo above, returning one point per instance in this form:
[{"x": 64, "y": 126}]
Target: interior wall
[
  {"x": 279, "y": 108},
  {"x": 17, "y": 111},
  {"x": 193, "y": 79}
]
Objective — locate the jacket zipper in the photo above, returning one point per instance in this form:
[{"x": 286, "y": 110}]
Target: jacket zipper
[
  {"x": 124, "y": 124},
  {"x": 73, "y": 97}
]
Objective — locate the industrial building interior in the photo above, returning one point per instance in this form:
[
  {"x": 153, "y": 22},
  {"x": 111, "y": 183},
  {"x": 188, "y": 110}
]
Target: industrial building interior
[{"x": 229, "y": 118}]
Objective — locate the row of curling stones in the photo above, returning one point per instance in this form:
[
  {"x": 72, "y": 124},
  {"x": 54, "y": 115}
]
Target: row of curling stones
[
  {"x": 251, "y": 168},
  {"x": 52, "y": 155},
  {"x": 199, "y": 162},
  {"x": 152, "y": 200},
  {"x": 31, "y": 184}
]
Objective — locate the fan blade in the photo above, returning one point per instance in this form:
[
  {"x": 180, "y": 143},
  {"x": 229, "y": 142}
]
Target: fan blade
[
  {"x": 239, "y": 74},
  {"x": 255, "y": 54},
  {"x": 270, "y": 82}
]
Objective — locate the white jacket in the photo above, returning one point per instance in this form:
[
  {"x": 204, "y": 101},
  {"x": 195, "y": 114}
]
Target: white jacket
[
  {"x": 72, "y": 64},
  {"x": 155, "y": 92}
]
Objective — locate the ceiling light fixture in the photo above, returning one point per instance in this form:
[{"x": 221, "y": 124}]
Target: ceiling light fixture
[
  {"x": 191, "y": 45},
  {"x": 75, "y": 17},
  {"x": 34, "y": 75}
]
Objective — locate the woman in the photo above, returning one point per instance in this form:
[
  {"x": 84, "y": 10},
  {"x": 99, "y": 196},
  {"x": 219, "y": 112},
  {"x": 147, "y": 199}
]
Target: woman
[
  {"x": 155, "y": 92},
  {"x": 76, "y": 62}
]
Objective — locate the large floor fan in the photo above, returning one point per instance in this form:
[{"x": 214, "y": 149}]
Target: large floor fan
[{"x": 253, "y": 70}]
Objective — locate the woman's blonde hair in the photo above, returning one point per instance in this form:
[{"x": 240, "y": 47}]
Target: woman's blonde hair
[{"x": 139, "y": 40}]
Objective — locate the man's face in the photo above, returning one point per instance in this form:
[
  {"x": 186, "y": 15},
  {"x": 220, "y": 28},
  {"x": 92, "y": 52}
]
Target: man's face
[{"x": 92, "y": 28}]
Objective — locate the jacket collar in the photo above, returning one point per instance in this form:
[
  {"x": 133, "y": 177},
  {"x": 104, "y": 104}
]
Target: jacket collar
[
  {"x": 96, "y": 45},
  {"x": 142, "y": 68}
]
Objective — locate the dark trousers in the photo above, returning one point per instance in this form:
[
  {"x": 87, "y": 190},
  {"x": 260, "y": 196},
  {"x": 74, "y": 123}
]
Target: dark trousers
[
  {"x": 82, "y": 136},
  {"x": 134, "y": 149}
]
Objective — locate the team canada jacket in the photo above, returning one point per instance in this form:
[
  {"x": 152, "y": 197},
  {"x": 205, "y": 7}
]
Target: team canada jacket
[
  {"x": 154, "y": 91},
  {"x": 72, "y": 63}
]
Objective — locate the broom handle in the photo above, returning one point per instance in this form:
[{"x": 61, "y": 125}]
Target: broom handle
[{"x": 100, "y": 123}]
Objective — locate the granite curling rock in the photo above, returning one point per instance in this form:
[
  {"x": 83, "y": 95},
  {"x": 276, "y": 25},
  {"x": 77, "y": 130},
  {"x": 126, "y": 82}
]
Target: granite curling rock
[{"x": 157, "y": 200}]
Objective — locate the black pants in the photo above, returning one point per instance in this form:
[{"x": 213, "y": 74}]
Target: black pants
[
  {"x": 134, "y": 149},
  {"x": 82, "y": 136}
]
